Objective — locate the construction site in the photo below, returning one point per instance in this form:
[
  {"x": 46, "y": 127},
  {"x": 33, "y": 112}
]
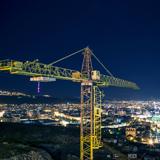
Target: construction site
[{"x": 91, "y": 92}]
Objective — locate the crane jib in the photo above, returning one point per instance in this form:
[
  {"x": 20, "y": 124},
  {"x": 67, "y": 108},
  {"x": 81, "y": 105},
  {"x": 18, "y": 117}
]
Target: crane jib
[{"x": 39, "y": 69}]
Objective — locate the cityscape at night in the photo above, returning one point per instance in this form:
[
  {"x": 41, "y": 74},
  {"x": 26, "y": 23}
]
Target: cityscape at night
[
  {"x": 131, "y": 127},
  {"x": 79, "y": 80}
]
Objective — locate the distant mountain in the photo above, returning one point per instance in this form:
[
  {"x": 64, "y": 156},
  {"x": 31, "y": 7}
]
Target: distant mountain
[
  {"x": 11, "y": 93},
  {"x": 35, "y": 99}
]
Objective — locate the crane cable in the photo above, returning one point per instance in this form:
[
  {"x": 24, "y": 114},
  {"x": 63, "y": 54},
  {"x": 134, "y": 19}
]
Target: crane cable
[
  {"x": 74, "y": 53},
  {"x": 61, "y": 59},
  {"x": 102, "y": 64}
]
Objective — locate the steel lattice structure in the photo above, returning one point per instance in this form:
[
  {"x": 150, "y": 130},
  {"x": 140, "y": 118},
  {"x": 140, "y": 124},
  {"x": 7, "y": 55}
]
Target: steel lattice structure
[
  {"x": 87, "y": 121},
  {"x": 91, "y": 95},
  {"x": 98, "y": 98}
]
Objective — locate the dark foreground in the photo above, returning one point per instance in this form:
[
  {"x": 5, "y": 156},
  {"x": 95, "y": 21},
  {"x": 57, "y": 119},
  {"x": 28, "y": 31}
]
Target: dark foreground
[{"x": 19, "y": 141}]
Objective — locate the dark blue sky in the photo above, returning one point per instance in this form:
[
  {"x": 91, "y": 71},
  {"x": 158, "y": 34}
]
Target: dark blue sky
[{"x": 124, "y": 34}]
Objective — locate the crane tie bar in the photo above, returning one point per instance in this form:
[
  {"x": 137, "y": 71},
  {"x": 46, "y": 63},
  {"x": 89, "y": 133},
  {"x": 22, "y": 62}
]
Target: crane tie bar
[{"x": 70, "y": 55}]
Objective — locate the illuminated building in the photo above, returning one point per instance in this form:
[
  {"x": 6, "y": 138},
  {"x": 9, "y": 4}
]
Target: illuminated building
[{"x": 130, "y": 133}]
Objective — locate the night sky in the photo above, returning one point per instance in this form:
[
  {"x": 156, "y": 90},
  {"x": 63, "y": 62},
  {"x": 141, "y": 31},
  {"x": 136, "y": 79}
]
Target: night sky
[{"x": 124, "y": 34}]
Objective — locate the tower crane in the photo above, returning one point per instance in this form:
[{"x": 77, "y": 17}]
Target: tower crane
[{"x": 91, "y": 94}]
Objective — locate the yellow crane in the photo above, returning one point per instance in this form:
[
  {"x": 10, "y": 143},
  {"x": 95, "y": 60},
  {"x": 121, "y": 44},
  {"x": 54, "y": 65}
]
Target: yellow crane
[{"x": 91, "y": 95}]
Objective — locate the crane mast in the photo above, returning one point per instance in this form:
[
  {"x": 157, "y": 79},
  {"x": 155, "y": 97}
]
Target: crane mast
[
  {"x": 91, "y": 95},
  {"x": 91, "y": 109},
  {"x": 87, "y": 109}
]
